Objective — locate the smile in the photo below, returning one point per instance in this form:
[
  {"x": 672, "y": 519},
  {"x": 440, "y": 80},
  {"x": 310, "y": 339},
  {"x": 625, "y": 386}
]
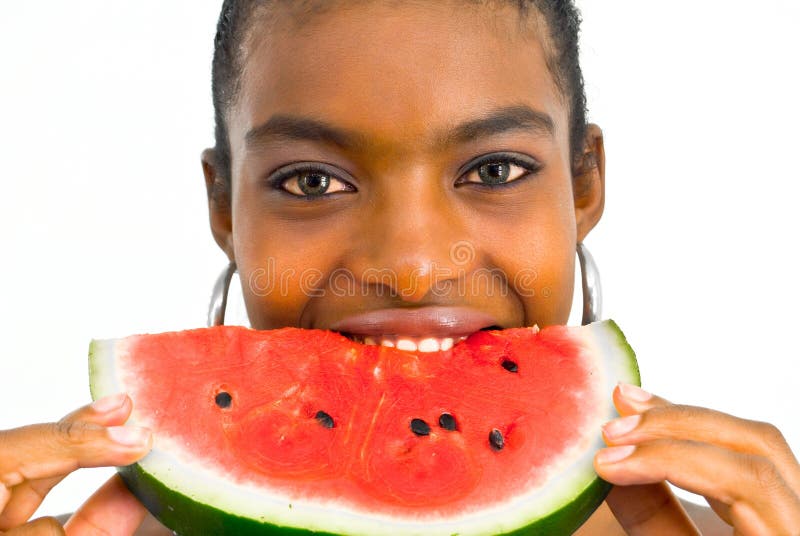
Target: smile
[
  {"x": 406, "y": 343},
  {"x": 422, "y": 329}
]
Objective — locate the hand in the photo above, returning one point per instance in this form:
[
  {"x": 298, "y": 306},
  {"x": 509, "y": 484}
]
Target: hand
[
  {"x": 744, "y": 469},
  {"x": 33, "y": 459}
]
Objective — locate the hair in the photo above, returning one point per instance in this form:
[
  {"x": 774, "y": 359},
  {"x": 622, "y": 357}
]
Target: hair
[{"x": 562, "y": 19}]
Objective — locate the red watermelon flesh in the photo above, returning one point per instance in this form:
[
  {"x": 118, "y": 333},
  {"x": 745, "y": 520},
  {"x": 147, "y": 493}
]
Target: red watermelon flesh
[{"x": 311, "y": 417}]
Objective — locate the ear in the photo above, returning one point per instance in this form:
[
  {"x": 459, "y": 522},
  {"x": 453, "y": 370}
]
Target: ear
[
  {"x": 219, "y": 206},
  {"x": 589, "y": 182}
]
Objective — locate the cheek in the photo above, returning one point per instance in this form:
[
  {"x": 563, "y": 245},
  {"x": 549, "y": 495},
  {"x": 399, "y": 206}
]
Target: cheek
[
  {"x": 280, "y": 262},
  {"x": 273, "y": 294},
  {"x": 545, "y": 283},
  {"x": 534, "y": 245}
]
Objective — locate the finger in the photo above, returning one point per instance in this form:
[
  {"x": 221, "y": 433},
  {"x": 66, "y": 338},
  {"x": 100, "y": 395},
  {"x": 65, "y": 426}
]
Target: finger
[
  {"x": 44, "y": 526},
  {"x": 112, "y": 510},
  {"x": 107, "y": 411},
  {"x": 36, "y": 458},
  {"x": 24, "y": 500},
  {"x": 650, "y": 509},
  {"x": 665, "y": 420},
  {"x": 631, "y": 400},
  {"x": 56, "y": 449},
  {"x": 751, "y": 486},
  {"x": 20, "y": 445},
  {"x": 5, "y": 496}
]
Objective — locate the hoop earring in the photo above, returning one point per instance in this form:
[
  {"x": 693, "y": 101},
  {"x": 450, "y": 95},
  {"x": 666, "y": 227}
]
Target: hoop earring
[
  {"x": 219, "y": 296},
  {"x": 590, "y": 287}
]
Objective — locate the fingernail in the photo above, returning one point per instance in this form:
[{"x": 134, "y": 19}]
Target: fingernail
[
  {"x": 614, "y": 454},
  {"x": 620, "y": 427},
  {"x": 107, "y": 403},
  {"x": 634, "y": 393},
  {"x": 130, "y": 436}
]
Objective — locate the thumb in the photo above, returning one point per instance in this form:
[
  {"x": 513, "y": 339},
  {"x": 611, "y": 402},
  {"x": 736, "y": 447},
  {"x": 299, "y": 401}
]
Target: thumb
[
  {"x": 111, "y": 510},
  {"x": 650, "y": 509}
]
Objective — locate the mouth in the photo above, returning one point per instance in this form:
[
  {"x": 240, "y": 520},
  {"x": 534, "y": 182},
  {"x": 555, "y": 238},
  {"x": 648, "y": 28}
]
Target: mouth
[
  {"x": 411, "y": 344},
  {"x": 424, "y": 329}
]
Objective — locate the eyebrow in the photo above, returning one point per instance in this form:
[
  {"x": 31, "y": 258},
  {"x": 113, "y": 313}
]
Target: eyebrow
[
  {"x": 500, "y": 121},
  {"x": 497, "y": 121}
]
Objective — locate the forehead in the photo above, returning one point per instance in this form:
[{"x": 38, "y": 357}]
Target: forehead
[{"x": 397, "y": 72}]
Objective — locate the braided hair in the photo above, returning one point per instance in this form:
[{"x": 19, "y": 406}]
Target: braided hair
[{"x": 561, "y": 16}]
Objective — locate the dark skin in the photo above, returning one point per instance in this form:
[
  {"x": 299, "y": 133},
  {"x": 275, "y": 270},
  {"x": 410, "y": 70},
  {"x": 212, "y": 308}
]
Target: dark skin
[
  {"x": 406, "y": 210},
  {"x": 398, "y": 200}
]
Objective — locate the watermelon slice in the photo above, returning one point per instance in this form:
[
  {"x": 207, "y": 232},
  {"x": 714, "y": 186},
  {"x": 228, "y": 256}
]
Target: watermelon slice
[{"x": 298, "y": 431}]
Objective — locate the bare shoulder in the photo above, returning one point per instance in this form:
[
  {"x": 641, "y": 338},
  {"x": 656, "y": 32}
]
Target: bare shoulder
[
  {"x": 603, "y": 522},
  {"x": 706, "y": 520},
  {"x": 151, "y": 527}
]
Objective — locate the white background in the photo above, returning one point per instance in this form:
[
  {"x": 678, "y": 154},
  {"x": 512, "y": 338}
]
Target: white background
[{"x": 106, "y": 107}]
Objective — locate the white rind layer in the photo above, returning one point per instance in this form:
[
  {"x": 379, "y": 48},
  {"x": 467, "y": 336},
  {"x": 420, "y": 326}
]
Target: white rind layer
[{"x": 172, "y": 464}]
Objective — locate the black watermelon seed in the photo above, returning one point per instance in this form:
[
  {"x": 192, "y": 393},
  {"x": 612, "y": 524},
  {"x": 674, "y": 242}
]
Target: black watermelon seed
[
  {"x": 324, "y": 419},
  {"x": 448, "y": 422},
  {"x": 223, "y": 400},
  {"x": 420, "y": 427},
  {"x": 510, "y": 366},
  {"x": 496, "y": 439}
]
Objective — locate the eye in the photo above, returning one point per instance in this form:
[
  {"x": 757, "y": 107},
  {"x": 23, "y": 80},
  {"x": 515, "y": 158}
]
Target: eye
[
  {"x": 499, "y": 169},
  {"x": 310, "y": 182}
]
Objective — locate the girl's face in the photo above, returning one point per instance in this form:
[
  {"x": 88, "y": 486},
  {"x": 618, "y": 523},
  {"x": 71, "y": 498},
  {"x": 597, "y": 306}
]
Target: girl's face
[{"x": 404, "y": 170}]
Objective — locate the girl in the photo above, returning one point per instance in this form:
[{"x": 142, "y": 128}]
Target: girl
[{"x": 374, "y": 135}]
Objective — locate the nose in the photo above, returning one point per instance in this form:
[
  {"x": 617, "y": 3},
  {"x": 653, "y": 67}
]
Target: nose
[{"x": 413, "y": 241}]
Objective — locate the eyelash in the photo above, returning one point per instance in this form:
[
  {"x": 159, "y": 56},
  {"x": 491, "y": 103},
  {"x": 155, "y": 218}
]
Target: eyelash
[
  {"x": 282, "y": 177},
  {"x": 532, "y": 166}
]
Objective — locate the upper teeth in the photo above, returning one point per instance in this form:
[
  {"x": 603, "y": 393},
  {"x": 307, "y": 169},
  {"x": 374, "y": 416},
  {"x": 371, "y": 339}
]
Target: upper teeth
[{"x": 412, "y": 344}]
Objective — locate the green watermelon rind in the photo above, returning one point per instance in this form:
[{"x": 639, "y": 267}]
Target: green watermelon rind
[{"x": 187, "y": 515}]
